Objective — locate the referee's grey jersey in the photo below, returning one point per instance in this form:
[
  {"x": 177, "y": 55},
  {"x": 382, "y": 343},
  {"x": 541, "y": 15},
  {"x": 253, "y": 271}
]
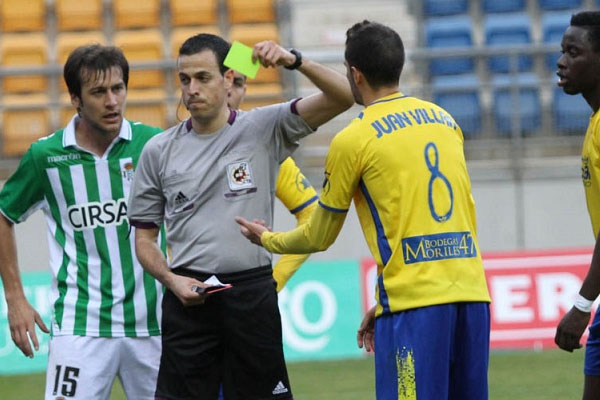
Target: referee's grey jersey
[{"x": 197, "y": 184}]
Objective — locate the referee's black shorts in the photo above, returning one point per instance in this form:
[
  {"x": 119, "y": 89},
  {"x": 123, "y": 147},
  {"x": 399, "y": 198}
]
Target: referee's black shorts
[{"x": 233, "y": 339}]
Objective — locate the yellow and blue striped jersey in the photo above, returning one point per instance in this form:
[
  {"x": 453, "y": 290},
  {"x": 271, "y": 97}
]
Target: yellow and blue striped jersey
[
  {"x": 590, "y": 170},
  {"x": 292, "y": 187},
  {"x": 402, "y": 162},
  {"x": 300, "y": 198}
]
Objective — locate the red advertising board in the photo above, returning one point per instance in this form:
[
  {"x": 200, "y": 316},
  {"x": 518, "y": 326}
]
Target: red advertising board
[{"x": 530, "y": 290}]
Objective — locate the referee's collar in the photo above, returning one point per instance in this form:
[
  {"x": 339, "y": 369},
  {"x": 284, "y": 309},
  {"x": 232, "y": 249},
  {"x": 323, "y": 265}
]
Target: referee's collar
[
  {"x": 230, "y": 120},
  {"x": 69, "y": 132}
]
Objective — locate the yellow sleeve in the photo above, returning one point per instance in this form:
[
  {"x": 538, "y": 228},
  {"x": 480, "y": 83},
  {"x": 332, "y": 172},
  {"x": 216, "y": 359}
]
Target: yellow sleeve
[
  {"x": 288, "y": 264},
  {"x": 292, "y": 187},
  {"x": 316, "y": 235}
]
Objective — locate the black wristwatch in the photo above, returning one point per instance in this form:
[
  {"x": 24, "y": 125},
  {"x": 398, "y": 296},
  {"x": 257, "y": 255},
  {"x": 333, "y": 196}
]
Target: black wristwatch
[{"x": 298, "y": 59}]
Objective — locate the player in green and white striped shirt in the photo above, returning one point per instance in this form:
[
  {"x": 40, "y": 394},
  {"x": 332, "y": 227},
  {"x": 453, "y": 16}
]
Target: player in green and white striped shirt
[{"x": 106, "y": 308}]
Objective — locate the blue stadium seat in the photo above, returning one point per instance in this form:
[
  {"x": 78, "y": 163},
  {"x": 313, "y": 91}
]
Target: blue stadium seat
[
  {"x": 505, "y": 105},
  {"x": 493, "y": 6},
  {"x": 571, "y": 114},
  {"x": 445, "y": 7},
  {"x": 459, "y": 95},
  {"x": 554, "y": 25},
  {"x": 559, "y": 4},
  {"x": 502, "y": 30},
  {"x": 448, "y": 32}
]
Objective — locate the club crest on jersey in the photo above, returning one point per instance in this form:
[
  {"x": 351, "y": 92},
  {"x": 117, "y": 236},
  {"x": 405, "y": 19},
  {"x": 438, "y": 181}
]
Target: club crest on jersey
[
  {"x": 239, "y": 176},
  {"x": 127, "y": 171},
  {"x": 586, "y": 176}
]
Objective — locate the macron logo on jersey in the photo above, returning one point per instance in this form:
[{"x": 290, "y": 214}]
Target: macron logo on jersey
[{"x": 94, "y": 214}]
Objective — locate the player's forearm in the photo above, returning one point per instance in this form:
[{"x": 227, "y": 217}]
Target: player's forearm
[
  {"x": 334, "y": 97},
  {"x": 151, "y": 257},
  {"x": 316, "y": 235},
  {"x": 591, "y": 284},
  {"x": 9, "y": 269}
]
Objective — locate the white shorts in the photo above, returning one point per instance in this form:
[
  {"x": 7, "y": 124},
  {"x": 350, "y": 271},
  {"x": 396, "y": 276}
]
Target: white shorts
[{"x": 81, "y": 367}]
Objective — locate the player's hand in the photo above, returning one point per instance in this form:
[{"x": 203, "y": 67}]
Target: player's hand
[
  {"x": 183, "y": 288},
  {"x": 22, "y": 318},
  {"x": 365, "y": 336},
  {"x": 270, "y": 54},
  {"x": 570, "y": 329},
  {"x": 252, "y": 230}
]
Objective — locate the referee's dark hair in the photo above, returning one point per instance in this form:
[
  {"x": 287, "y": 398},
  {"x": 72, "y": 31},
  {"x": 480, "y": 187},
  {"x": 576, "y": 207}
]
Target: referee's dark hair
[
  {"x": 377, "y": 51},
  {"x": 96, "y": 59},
  {"x": 590, "y": 21},
  {"x": 207, "y": 41}
]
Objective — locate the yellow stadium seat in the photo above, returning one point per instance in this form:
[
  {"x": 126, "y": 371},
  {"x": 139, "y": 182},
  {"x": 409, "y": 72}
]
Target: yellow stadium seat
[
  {"x": 24, "y": 50},
  {"x": 193, "y": 12},
  {"x": 258, "y": 95},
  {"x": 25, "y": 119},
  {"x": 244, "y": 11},
  {"x": 79, "y": 14},
  {"x": 250, "y": 34},
  {"x": 147, "y": 106},
  {"x": 180, "y": 35},
  {"x": 136, "y": 14},
  {"x": 20, "y": 15},
  {"x": 142, "y": 46}
]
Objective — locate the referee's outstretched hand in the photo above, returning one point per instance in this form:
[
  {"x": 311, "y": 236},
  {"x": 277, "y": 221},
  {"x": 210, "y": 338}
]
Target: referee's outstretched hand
[
  {"x": 252, "y": 230},
  {"x": 270, "y": 54}
]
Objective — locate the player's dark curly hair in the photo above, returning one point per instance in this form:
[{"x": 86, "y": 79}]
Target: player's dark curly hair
[
  {"x": 206, "y": 41},
  {"x": 93, "y": 60},
  {"x": 375, "y": 50},
  {"x": 590, "y": 21}
]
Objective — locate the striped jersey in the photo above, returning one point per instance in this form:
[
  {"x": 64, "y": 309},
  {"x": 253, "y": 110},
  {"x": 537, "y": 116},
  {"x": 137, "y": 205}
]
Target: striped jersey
[
  {"x": 292, "y": 187},
  {"x": 590, "y": 170},
  {"x": 402, "y": 162},
  {"x": 98, "y": 286}
]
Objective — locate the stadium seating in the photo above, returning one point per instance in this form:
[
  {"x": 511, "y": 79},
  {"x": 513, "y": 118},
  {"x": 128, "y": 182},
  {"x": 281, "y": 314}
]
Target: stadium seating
[
  {"x": 494, "y": 6},
  {"x": 20, "y": 15},
  {"x": 553, "y": 26},
  {"x": 147, "y": 106},
  {"x": 258, "y": 95},
  {"x": 193, "y": 12},
  {"x": 526, "y": 104},
  {"x": 244, "y": 11},
  {"x": 459, "y": 95},
  {"x": 136, "y": 14},
  {"x": 24, "y": 50},
  {"x": 78, "y": 14},
  {"x": 559, "y": 4},
  {"x": 445, "y": 7},
  {"x": 571, "y": 114},
  {"x": 25, "y": 118},
  {"x": 449, "y": 32},
  {"x": 250, "y": 34},
  {"x": 504, "y": 30},
  {"x": 142, "y": 46},
  {"x": 180, "y": 35}
]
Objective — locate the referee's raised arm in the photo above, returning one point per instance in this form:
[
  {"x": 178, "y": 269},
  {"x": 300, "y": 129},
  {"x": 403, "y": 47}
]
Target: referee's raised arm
[{"x": 335, "y": 95}]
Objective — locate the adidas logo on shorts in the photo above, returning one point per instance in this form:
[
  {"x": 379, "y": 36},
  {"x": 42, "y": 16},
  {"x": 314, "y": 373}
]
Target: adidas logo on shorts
[{"x": 280, "y": 388}]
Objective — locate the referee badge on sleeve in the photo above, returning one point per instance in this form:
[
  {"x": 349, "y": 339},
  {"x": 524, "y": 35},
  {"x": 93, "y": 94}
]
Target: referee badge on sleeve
[{"x": 239, "y": 176}]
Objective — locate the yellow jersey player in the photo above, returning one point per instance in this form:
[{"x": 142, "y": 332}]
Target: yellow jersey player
[
  {"x": 292, "y": 188},
  {"x": 402, "y": 162},
  {"x": 578, "y": 72}
]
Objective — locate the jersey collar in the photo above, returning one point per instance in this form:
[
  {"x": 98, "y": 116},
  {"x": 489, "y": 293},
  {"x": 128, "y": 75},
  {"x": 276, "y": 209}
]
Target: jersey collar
[
  {"x": 69, "y": 132},
  {"x": 390, "y": 97}
]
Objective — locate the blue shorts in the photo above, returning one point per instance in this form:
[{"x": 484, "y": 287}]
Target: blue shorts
[
  {"x": 592, "y": 348},
  {"x": 432, "y": 353}
]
